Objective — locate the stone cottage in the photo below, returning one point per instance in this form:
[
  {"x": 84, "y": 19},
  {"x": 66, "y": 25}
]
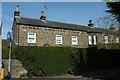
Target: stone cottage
[{"x": 41, "y": 32}]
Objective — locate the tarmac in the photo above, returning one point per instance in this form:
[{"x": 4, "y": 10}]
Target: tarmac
[{"x": 108, "y": 74}]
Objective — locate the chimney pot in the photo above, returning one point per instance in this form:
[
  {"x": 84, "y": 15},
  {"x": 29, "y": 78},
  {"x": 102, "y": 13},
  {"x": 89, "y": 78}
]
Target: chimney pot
[
  {"x": 17, "y": 8},
  {"x": 42, "y": 13},
  {"x": 17, "y": 12},
  {"x": 112, "y": 27},
  {"x": 90, "y": 23},
  {"x": 42, "y": 16}
]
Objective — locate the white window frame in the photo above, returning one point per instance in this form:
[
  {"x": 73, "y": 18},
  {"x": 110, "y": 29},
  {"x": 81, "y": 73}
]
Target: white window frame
[
  {"x": 31, "y": 36},
  {"x": 117, "y": 39},
  {"x": 94, "y": 39},
  {"x": 74, "y": 38},
  {"x": 59, "y": 39},
  {"x": 106, "y": 39},
  {"x": 90, "y": 39}
]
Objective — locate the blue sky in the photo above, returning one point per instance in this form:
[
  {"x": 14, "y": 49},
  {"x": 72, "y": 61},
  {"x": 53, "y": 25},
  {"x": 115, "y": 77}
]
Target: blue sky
[
  {"x": 51, "y": 0},
  {"x": 68, "y": 12},
  {"x": 0, "y": 10}
]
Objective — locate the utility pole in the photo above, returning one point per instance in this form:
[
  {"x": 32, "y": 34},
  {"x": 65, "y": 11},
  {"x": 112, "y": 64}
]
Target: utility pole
[{"x": 0, "y": 47}]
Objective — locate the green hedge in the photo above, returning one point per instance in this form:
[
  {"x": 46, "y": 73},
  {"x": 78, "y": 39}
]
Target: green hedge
[
  {"x": 94, "y": 59},
  {"x": 45, "y": 61},
  {"x": 5, "y": 52},
  {"x": 109, "y": 46}
]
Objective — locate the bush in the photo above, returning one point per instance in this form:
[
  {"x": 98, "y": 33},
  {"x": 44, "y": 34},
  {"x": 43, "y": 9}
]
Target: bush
[
  {"x": 109, "y": 46},
  {"x": 94, "y": 59},
  {"x": 5, "y": 52},
  {"x": 45, "y": 61}
]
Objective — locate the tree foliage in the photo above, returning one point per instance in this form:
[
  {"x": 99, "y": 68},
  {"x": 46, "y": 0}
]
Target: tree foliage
[
  {"x": 114, "y": 9},
  {"x": 111, "y": 0},
  {"x": 106, "y": 21}
]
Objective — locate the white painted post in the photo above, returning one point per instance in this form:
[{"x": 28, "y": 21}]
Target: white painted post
[{"x": 9, "y": 63}]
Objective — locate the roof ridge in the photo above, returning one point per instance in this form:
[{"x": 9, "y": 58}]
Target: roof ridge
[
  {"x": 56, "y": 22},
  {"x": 29, "y": 18},
  {"x": 67, "y": 23}
]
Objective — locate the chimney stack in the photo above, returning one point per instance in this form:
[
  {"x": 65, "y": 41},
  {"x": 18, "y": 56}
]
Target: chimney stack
[
  {"x": 112, "y": 27},
  {"x": 17, "y": 12},
  {"x": 42, "y": 16},
  {"x": 90, "y": 23}
]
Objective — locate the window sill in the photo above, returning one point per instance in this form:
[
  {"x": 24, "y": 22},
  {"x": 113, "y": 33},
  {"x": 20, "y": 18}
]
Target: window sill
[
  {"x": 74, "y": 44},
  {"x": 31, "y": 43},
  {"x": 59, "y": 44},
  {"x": 92, "y": 45}
]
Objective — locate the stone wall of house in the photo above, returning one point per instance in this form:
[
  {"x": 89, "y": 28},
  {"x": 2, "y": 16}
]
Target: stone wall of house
[
  {"x": 100, "y": 38},
  {"x": 15, "y": 31},
  {"x": 46, "y": 35},
  {"x": 112, "y": 38}
]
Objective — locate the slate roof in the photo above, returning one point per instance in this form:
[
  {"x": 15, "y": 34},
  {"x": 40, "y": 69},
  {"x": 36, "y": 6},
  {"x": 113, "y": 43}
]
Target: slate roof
[
  {"x": 5, "y": 43},
  {"x": 61, "y": 25}
]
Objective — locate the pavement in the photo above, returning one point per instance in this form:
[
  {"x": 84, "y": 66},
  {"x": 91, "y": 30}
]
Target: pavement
[{"x": 108, "y": 74}]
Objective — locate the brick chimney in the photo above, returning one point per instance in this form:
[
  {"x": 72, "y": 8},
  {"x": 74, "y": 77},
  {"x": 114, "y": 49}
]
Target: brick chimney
[
  {"x": 90, "y": 23},
  {"x": 42, "y": 16},
  {"x": 17, "y": 12},
  {"x": 112, "y": 27}
]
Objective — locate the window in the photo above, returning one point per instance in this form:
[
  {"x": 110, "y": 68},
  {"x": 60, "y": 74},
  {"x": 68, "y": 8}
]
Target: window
[
  {"x": 31, "y": 37},
  {"x": 94, "y": 39},
  {"x": 58, "y": 39},
  {"x": 105, "y": 39},
  {"x": 74, "y": 40},
  {"x": 90, "y": 39},
  {"x": 117, "y": 39}
]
